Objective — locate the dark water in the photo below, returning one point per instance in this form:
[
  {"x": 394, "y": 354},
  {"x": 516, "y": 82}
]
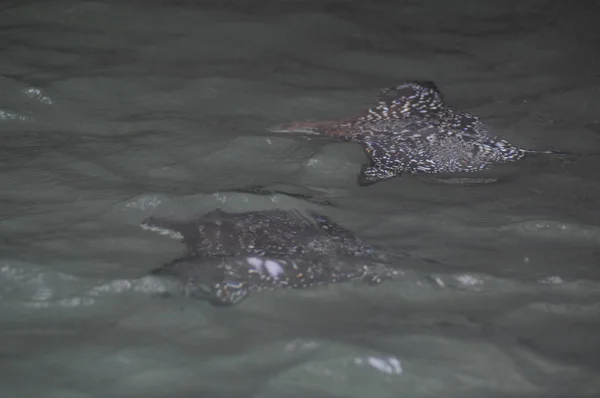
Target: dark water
[{"x": 115, "y": 111}]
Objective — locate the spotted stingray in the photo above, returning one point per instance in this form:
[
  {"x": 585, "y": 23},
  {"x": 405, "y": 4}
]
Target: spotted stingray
[
  {"x": 230, "y": 255},
  {"x": 412, "y": 130},
  {"x": 226, "y": 281},
  {"x": 261, "y": 233}
]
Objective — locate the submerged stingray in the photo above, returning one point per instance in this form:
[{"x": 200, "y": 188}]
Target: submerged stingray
[
  {"x": 412, "y": 130},
  {"x": 232, "y": 254},
  {"x": 228, "y": 280},
  {"x": 261, "y": 233}
]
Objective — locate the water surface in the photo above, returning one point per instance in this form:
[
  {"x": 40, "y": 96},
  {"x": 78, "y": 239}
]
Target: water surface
[{"x": 114, "y": 111}]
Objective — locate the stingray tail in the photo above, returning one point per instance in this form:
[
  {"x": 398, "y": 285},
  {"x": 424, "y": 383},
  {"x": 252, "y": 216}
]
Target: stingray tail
[
  {"x": 320, "y": 128},
  {"x": 548, "y": 152}
]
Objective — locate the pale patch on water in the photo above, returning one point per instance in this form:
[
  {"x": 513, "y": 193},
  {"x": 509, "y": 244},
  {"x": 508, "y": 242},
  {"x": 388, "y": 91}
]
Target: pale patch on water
[
  {"x": 143, "y": 285},
  {"x": 162, "y": 231},
  {"x": 145, "y": 203},
  {"x": 7, "y": 115},
  {"x": 36, "y": 93},
  {"x": 273, "y": 268},
  {"x": 469, "y": 280},
  {"x": 390, "y": 366},
  {"x": 552, "y": 280}
]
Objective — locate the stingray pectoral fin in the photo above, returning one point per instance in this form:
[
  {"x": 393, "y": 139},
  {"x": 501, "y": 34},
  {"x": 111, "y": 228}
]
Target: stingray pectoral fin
[
  {"x": 375, "y": 273},
  {"x": 371, "y": 174},
  {"x": 179, "y": 267},
  {"x": 372, "y": 280},
  {"x": 160, "y": 271},
  {"x": 228, "y": 293}
]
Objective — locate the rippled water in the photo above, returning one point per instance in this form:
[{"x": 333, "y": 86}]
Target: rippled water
[{"x": 112, "y": 112}]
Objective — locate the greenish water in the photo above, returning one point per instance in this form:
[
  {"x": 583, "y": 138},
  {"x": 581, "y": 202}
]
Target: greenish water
[{"x": 112, "y": 112}]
